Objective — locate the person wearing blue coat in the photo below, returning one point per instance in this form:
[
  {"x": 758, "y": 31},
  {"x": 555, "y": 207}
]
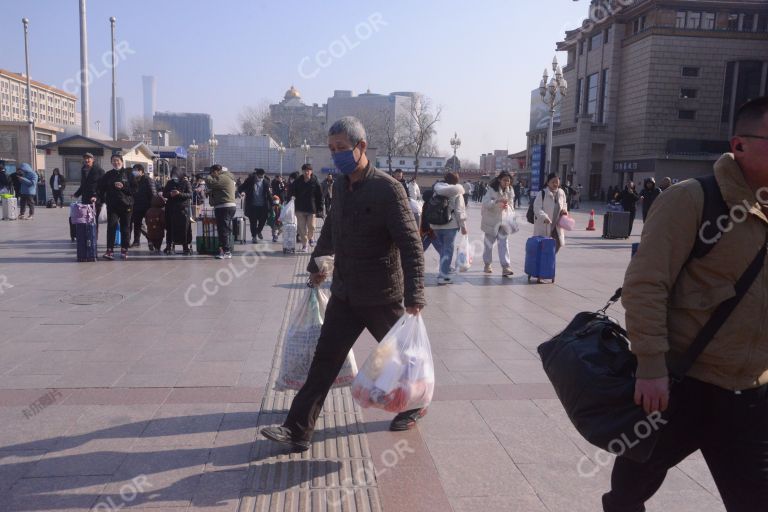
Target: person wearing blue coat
[{"x": 28, "y": 183}]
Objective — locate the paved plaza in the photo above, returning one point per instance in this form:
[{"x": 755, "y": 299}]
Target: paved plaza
[{"x": 141, "y": 385}]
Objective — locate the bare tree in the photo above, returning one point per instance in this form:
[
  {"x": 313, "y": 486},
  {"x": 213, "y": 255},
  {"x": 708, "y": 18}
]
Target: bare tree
[
  {"x": 252, "y": 119},
  {"x": 421, "y": 126}
]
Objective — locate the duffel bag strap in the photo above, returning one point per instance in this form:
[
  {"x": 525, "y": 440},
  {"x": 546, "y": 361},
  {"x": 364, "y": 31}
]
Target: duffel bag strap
[
  {"x": 680, "y": 367},
  {"x": 613, "y": 300}
]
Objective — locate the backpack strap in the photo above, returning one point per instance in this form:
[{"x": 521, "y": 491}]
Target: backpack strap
[{"x": 715, "y": 218}]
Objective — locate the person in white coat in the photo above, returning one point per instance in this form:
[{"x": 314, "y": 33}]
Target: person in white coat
[
  {"x": 446, "y": 233},
  {"x": 498, "y": 207},
  {"x": 550, "y": 204}
]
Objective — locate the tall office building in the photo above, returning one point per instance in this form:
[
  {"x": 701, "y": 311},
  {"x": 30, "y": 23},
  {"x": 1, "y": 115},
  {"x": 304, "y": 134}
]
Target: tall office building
[
  {"x": 184, "y": 127},
  {"x": 150, "y": 96},
  {"x": 374, "y": 110},
  {"x": 49, "y": 104}
]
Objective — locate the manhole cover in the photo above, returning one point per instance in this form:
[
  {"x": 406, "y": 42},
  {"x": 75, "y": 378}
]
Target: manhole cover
[{"x": 89, "y": 299}]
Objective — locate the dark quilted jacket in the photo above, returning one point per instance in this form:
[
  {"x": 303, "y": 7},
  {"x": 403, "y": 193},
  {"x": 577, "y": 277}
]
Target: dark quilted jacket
[{"x": 372, "y": 233}]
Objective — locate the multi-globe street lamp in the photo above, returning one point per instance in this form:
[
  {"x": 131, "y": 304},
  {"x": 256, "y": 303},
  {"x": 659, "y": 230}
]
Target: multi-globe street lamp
[
  {"x": 455, "y": 144},
  {"x": 281, "y": 152},
  {"x": 305, "y": 148},
  {"x": 193, "y": 148},
  {"x": 552, "y": 92},
  {"x": 112, "y": 21},
  {"x": 212, "y": 143}
]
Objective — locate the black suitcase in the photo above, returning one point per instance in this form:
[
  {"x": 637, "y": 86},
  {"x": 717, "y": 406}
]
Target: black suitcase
[
  {"x": 616, "y": 225},
  {"x": 87, "y": 236}
]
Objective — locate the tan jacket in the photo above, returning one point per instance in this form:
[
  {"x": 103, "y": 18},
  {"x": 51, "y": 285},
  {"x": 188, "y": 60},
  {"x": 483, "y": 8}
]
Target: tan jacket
[{"x": 667, "y": 302}]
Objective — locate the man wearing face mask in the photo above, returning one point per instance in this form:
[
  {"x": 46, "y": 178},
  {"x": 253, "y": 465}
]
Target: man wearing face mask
[
  {"x": 115, "y": 189},
  {"x": 378, "y": 269},
  {"x": 143, "y": 191}
]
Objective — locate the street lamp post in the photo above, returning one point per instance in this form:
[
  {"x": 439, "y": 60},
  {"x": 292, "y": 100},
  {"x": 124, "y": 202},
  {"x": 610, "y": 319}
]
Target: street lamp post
[
  {"x": 552, "y": 92},
  {"x": 193, "y": 151},
  {"x": 30, "y": 120},
  {"x": 455, "y": 144},
  {"x": 84, "y": 82},
  {"x": 212, "y": 143},
  {"x": 112, "y": 21},
  {"x": 281, "y": 152},
  {"x": 305, "y": 147}
]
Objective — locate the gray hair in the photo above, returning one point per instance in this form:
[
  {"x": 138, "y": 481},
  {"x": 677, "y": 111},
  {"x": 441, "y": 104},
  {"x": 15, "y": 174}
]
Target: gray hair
[{"x": 351, "y": 126}]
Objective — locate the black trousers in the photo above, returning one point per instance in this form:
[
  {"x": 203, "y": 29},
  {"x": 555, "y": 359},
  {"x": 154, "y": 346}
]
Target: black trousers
[
  {"x": 123, "y": 216},
  {"x": 632, "y": 215},
  {"x": 224, "y": 218},
  {"x": 58, "y": 197},
  {"x": 257, "y": 216},
  {"x": 27, "y": 200},
  {"x": 730, "y": 429},
  {"x": 137, "y": 218},
  {"x": 342, "y": 326}
]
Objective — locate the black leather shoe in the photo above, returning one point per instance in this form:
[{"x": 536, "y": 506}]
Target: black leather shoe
[
  {"x": 407, "y": 420},
  {"x": 283, "y": 435}
]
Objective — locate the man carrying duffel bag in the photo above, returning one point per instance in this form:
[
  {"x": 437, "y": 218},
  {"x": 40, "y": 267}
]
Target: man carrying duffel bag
[{"x": 671, "y": 295}]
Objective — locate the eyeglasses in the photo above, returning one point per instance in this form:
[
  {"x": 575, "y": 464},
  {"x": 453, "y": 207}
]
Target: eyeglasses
[{"x": 762, "y": 137}]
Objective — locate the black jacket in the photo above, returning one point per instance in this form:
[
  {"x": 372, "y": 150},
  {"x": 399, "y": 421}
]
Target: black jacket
[
  {"x": 372, "y": 232},
  {"x": 62, "y": 182},
  {"x": 5, "y": 182},
  {"x": 278, "y": 189},
  {"x": 181, "y": 201},
  {"x": 628, "y": 199},
  {"x": 649, "y": 196},
  {"x": 117, "y": 198},
  {"x": 143, "y": 189},
  {"x": 248, "y": 188},
  {"x": 308, "y": 195},
  {"x": 89, "y": 183}
]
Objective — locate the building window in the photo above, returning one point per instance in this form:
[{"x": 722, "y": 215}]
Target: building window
[
  {"x": 733, "y": 22},
  {"x": 579, "y": 85},
  {"x": 688, "y": 94},
  {"x": 748, "y": 22},
  {"x": 595, "y": 42},
  {"x": 686, "y": 114},
  {"x": 693, "y": 20},
  {"x": 581, "y": 47},
  {"x": 592, "y": 90},
  {"x": 762, "y": 25},
  {"x": 690, "y": 71},
  {"x": 402, "y": 162},
  {"x": 607, "y": 35},
  {"x": 638, "y": 25},
  {"x": 680, "y": 19},
  {"x": 708, "y": 21},
  {"x": 603, "y": 97}
]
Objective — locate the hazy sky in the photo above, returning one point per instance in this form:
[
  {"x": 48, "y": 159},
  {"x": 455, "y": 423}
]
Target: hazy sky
[{"x": 478, "y": 60}]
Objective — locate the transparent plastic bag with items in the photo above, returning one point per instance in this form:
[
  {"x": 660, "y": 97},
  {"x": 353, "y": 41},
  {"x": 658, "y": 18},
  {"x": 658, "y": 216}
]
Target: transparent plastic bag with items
[
  {"x": 464, "y": 254},
  {"x": 399, "y": 375},
  {"x": 301, "y": 341},
  {"x": 288, "y": 213}
]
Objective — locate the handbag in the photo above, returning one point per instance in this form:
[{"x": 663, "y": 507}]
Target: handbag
[{"x": 593, "y": 373}]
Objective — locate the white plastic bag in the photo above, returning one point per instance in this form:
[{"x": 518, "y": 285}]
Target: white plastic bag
[
  {"x": 288, "y": 213},
  {"x": 301, "y": 341},
  {"x": 464, "y": 254},
  {"x": 325, "y": 264},
  {"x": 509, "y": 224},
  {"x": 103, "y": 214},
  {"x": 399, "y": 375}
]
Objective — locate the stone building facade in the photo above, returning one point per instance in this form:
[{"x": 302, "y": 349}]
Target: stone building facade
[{"x": 653, "y": 88}]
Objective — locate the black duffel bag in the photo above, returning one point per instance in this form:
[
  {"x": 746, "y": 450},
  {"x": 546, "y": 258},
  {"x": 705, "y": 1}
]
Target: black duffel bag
[{"x": 593, "y": 373}]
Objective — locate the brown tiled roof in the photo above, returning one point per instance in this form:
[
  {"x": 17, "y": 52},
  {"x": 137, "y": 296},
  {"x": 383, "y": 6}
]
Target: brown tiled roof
[{"x": 40, "y": 85}]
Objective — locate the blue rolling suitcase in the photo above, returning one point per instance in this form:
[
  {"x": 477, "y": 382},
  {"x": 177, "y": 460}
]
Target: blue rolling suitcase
[
  {"x": 86, "y": 236},
  {"x": 540, "y": 258}
]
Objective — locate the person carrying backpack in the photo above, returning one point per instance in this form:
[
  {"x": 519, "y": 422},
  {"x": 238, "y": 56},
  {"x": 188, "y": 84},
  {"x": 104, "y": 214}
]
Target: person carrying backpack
[
  {"x": 700, "y": 274},
  {"x": 446, "y": 214}
]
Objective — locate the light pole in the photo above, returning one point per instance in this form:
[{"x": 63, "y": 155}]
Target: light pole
[
  {"x": 212, "y": 143},
  {"x": 98, "y": 126},
  {"x": 552, "y": 92},
  {"x": 193, "y": 151},
  {"x": 30, "y": 120},
  {"x": 455, "y": 143},
  {"x": 85, "y": 127},
  {"x": 112, "y": 21},
  {"x": 305, "y": 147},
  {"x": 281, "y": 151}
]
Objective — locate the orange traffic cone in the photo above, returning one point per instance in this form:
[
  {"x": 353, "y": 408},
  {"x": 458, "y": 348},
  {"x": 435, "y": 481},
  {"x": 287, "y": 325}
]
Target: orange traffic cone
[{"x": 591, "y": 225}]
